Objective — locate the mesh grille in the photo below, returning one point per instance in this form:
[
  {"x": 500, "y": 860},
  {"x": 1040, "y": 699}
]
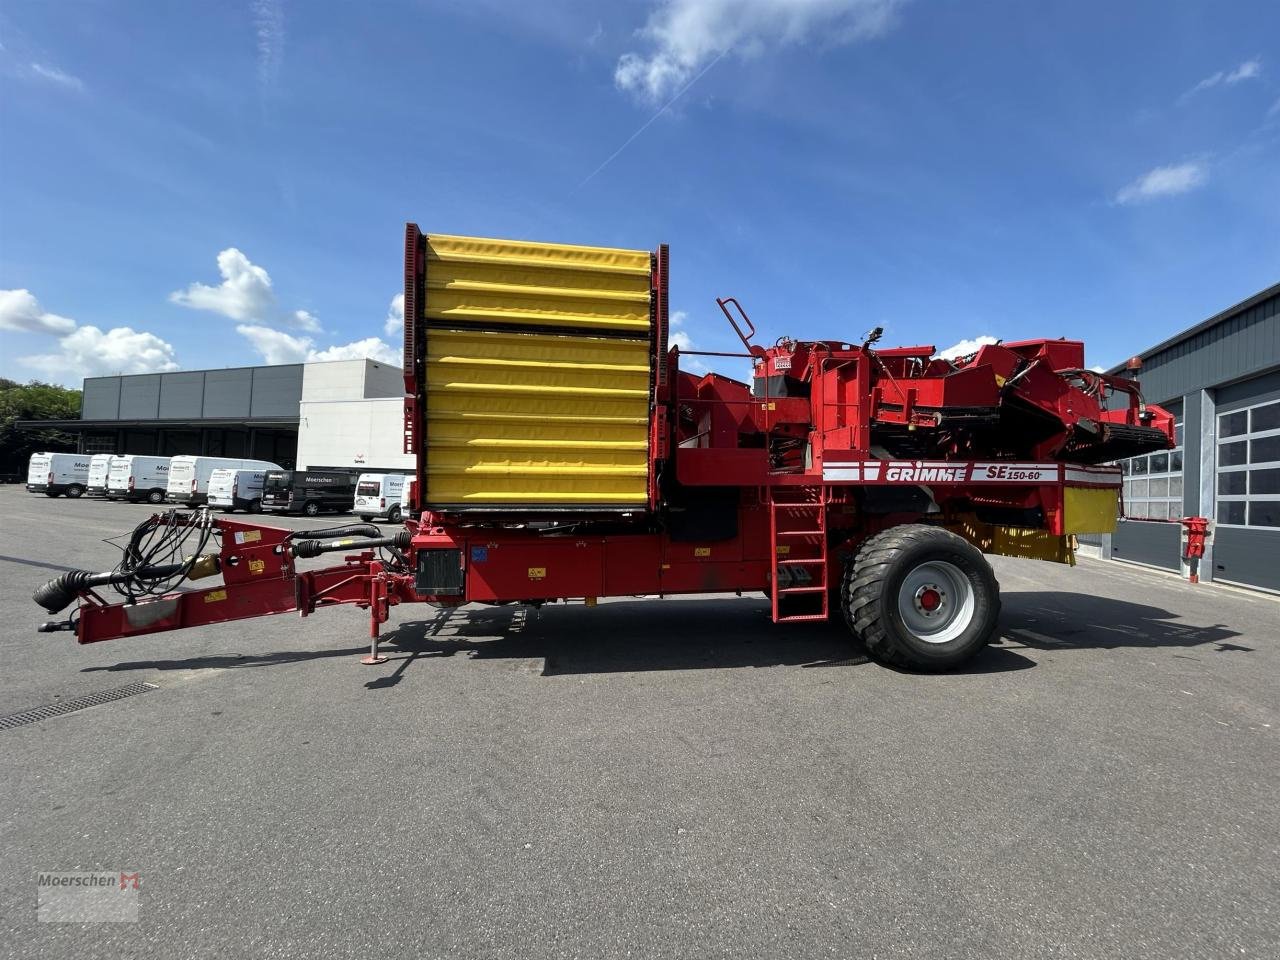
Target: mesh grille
[{"x": 70, "y": 706}]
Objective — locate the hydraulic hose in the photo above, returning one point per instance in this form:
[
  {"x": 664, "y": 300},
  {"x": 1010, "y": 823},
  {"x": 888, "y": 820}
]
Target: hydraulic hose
[
  {"x": 346, "y": 530},
  {"x": 313, "y": 548},
  {"x": 60, "y": 592}
]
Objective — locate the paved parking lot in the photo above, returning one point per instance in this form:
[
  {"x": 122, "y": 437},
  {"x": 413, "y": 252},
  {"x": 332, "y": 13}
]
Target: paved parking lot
[{"x": 671, "y": 778}]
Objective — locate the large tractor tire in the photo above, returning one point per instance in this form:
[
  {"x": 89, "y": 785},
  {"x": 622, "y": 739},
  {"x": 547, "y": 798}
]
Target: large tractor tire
[{"x": 920, "y": 597}]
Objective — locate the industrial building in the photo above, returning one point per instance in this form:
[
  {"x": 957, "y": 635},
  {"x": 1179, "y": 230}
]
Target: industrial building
[
  {"x": 341, "y": 413},
  {"x": 1221, "y": 380}
]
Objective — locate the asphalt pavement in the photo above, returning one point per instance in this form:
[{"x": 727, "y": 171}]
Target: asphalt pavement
[{"x": 647, "y": 778}]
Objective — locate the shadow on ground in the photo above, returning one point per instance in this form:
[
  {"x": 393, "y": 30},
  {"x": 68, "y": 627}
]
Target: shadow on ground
[
  {"x": 226, "y": 661},
  {"x": 645, "y": 635},
  {"x": 731, "y": 633},
  {"x": 1048, "y": 620}
]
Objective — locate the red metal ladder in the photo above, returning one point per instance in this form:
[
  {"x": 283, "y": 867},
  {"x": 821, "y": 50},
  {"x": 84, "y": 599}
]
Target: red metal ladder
[{"x": 798, "y": 542}]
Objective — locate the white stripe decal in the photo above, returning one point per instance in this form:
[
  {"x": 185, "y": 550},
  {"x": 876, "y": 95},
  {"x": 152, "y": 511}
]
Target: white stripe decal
[{"x": 985, "y": 471}]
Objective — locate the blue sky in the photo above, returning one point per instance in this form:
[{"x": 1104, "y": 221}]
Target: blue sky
[{"x": 200, "y": 185}]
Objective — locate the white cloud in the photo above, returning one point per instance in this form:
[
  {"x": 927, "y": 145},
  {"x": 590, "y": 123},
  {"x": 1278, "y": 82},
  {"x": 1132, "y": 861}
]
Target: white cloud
[
  {"x": 268, "y": 26},
  {"x": 1246, "y": 71},
  {"x": 89, "y": 352},
  {"x": 1164, "y": 182},
  {"x": 83, "y": 351},
  {"x": 371, "y": 347},
  {"x": 19, "y": 310},
  {"x": 1249, "y": 70},
  {"x": 676, "y": 337},
  {"x": 683, "y": 35},
  {"x": 679, "y": 337},
  {"x": 56, "y": 76},
  {"x": 394, "y": 325},
  {"x": 307, "y": 321},
  {"x": 244, "y": 294},
  {"x": 276, "y": 346},
  {"x": 965, "y": 347}
]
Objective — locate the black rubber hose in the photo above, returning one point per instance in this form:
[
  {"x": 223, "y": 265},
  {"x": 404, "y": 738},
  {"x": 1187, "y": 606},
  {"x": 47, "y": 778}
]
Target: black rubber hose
[
  {"x": 313, "y": 548},
  {"x": 60, "y": 592},
  {"x": 348, "y": 530}
]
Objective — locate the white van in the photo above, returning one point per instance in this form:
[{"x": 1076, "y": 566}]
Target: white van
[
  {"x": 378, "y": 495},
  {"x": 54, "y": 474},
  {"x": 133, "y": 477},
  {"x": 232, "y": 490},
  {"x": 99, "y": 468},
  {"x": 406, "y": 507},
  {"x": 189, "y": 476}
]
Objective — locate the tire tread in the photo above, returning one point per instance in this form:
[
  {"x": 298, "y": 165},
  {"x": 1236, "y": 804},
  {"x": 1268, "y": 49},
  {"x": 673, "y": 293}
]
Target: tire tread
[{"x": 863, "y": 589}]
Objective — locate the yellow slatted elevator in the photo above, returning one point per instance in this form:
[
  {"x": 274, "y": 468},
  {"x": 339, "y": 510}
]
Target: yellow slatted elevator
[{"x": 537, "y": 373}]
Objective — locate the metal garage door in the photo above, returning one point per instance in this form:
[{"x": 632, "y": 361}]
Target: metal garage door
[
  {"x": 1246, "y": 545},
  {"x": 1144, "y": 541}
]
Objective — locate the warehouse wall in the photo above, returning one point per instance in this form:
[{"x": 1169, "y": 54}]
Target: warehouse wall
[
  {"x": 383, "y": 380},
  {"x": 1240, "y": 342},
  {"x": 353, "y": 433},
  {"x": 351, "y": 379},
  {"x": 194, "y": 395},
  {"x": 1227, "y": 364}
]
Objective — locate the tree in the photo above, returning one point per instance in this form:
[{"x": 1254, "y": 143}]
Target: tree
[{"x": 33, "y": 401}]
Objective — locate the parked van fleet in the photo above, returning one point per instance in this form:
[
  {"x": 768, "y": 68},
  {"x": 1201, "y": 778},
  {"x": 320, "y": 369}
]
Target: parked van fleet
[
  {"x": 134, "y": 477},
  {"x": 378, "y": 495},
  {"x": 54, "y": 474},
  {"x": 231, "y": 490},
  {"x": 99, "y": 468},
  {"x": 189, "y": 476},
  {"x": 308, "y": 491}
]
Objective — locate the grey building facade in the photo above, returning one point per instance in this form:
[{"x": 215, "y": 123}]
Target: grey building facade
[
  {"x": 238, "y": 412},
  {"x": 252, "y": 412},
  {"x": 1221, "y": 380}
]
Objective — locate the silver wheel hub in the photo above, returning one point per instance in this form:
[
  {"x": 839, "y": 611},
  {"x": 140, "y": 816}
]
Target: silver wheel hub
[{"x": 936, "y": 601}]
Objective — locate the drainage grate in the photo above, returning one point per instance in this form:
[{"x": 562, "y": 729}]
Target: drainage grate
[{"x": 70, "y": 706}]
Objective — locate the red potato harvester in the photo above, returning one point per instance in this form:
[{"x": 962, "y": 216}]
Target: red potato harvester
[{"x": 562, "y": 453}]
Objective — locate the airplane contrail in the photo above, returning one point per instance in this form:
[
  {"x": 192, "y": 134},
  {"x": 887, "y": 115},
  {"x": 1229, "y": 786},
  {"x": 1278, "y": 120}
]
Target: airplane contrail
[{"x": 648, "y": 123}]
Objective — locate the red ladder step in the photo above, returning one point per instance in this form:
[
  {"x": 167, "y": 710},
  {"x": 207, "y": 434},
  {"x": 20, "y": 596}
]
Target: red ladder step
[{"x": 814, "y": 504}]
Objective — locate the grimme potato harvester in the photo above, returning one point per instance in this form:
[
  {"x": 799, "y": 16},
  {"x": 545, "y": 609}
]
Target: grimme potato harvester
[{"x": 563, "y": 454}]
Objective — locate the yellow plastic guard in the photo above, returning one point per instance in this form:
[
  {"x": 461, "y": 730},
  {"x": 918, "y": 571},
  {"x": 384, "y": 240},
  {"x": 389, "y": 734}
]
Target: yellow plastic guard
[
  {"x": 1090, "y": 509},
  {"x": 488, "y": 282},
  {"x": 1015, "y": 541},
  {"x": 535, "y": 418}
]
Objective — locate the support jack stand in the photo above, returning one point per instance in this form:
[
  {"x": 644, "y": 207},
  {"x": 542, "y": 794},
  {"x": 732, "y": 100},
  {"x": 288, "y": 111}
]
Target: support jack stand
[{"x": 378, "y": 612}]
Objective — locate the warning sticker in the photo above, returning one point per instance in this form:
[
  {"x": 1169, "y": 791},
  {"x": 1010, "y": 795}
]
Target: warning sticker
[
  {"x": 702, "y": 551},
  {"x": 537, "y": 573},
  {"x": 257, "y": 566},
  {"x": 248, "y": 536},
  {"x": 213, "y": 596}
]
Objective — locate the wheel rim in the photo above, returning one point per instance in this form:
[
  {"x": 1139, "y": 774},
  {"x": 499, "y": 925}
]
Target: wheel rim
[{"x": 935, "y": 601}]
